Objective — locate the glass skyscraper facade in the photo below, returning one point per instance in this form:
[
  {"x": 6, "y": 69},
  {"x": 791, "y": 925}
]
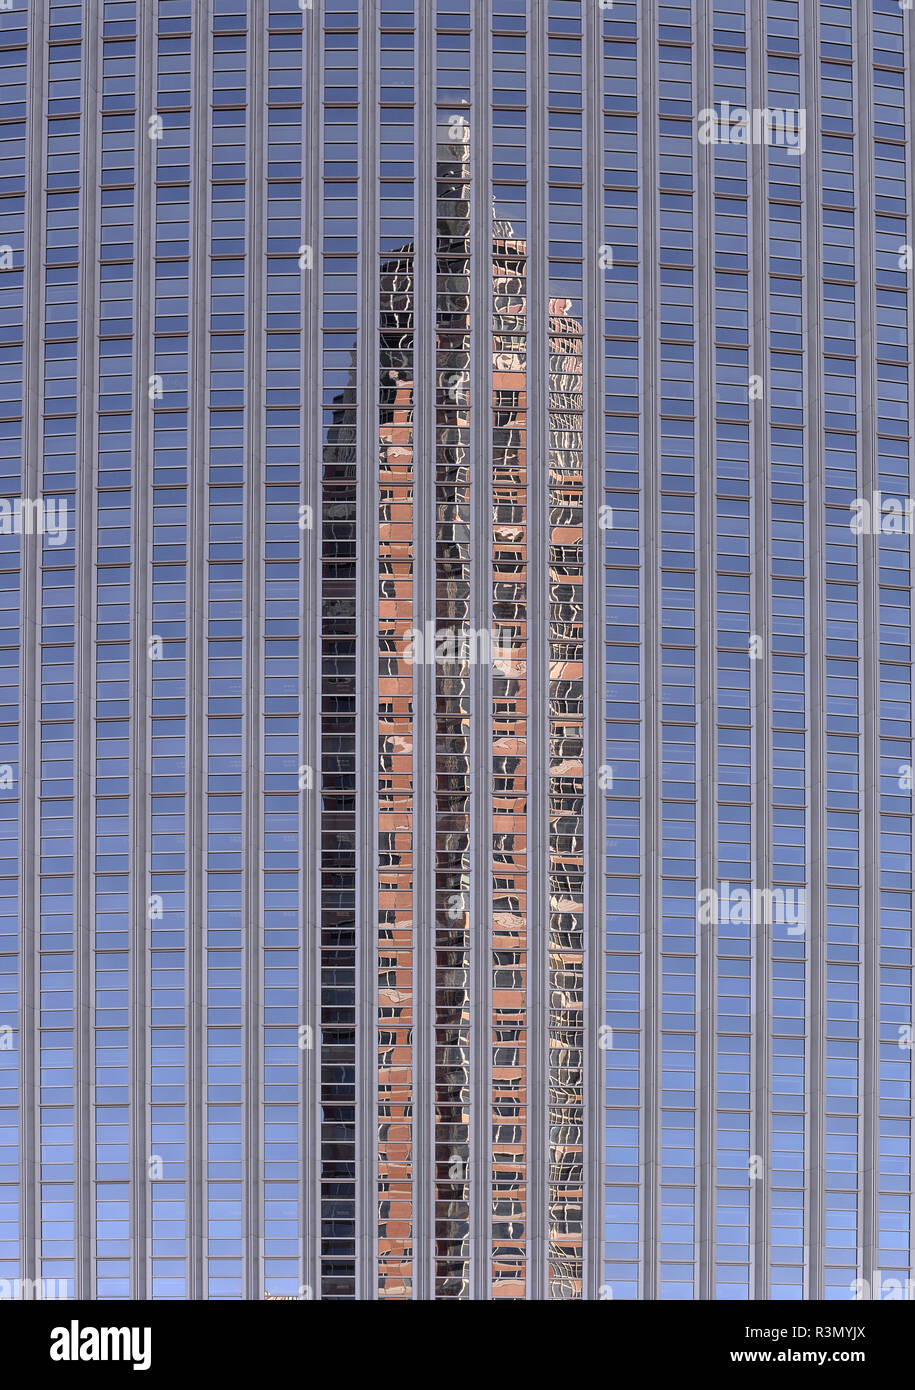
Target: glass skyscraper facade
[{"x": 456, "y": 567}]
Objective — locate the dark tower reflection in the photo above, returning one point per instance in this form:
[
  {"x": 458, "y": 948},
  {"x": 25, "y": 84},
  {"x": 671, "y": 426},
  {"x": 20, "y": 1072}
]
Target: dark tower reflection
[{"x": 338, "y": 852}]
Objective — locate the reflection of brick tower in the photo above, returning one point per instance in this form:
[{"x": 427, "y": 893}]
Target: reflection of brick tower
[
  {"x": 509, "y": 767},
  {"x": 452, "y": 719},
  {"x": 395, "y": 783},
  {"x": 508, "y": 1103},
  {"x": 511, "y": 696},
  {"x": 566, "y": 806}
]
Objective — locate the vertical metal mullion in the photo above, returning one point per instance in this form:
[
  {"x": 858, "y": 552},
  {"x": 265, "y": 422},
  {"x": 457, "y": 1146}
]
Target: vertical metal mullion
[
  {"x": 706, "y": 630},
  {"x": 253, "y": 657},
  {"x": 143, "y": 367},
  {"x": 198, "y": 437},
  {"x": 538, "y": 766},
  {"x": 309, "y": 672},
  {"x": 33, "y": 253},
  {"x": 481, "y": 610},
  {"x": 909, "y": 62},
  {"x": 594, "y": 651},
  {"x": 869, "y": 620},
  {"x": 84, "y": 837},
  {"x": 816, "y": 1021},
  {"x": 760, "y": 670},
  {"x": 424, "y": 349},
  {"x": 367, "y": 667},
  {"x": 650, "y": 857}
]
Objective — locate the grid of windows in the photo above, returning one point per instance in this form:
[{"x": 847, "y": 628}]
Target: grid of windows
[
  {"x": 758, "y": 1074},
  {"x": 307, "y": 314}
]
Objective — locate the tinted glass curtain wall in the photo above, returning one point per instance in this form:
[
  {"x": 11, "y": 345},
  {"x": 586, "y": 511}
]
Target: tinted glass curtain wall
[{"x": 456, "y": 571}]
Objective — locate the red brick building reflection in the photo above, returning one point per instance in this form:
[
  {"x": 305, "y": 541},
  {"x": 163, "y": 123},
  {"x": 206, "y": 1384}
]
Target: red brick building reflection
[{"x": 507, "y": 1102}]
